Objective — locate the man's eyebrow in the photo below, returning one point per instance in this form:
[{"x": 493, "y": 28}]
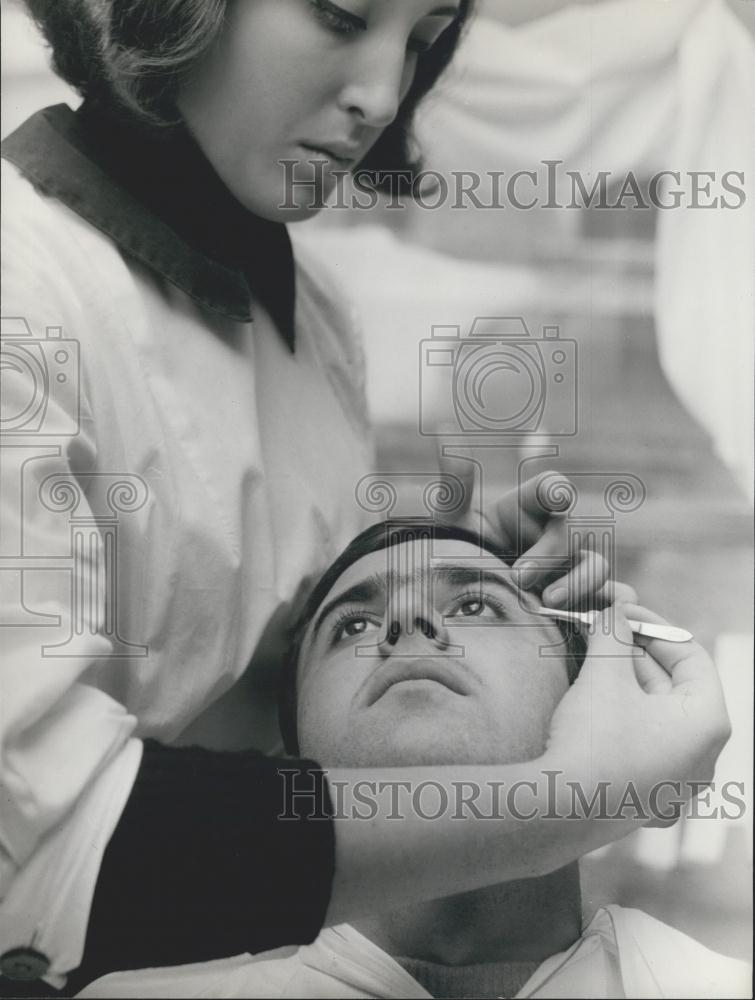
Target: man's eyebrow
[
  {"x": 375, "y": 585},
  {"x": 450, "y": 11},
  {"x": 462, "y": 576},
  {"x": 362, "y": 592}
]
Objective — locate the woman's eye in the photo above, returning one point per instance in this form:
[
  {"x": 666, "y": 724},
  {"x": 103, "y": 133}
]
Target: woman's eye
[
  {"x": 336, "y": 19},
  {"x": 344, "y": 22}
]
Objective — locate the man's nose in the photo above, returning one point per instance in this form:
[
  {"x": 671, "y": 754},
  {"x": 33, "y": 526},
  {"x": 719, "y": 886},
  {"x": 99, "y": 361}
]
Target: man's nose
[
  {"x": 377, "y": 84},
  {"x": 413, "y": 633}
]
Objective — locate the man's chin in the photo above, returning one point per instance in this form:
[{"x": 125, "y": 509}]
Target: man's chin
[{"x": 413, "y": 743}]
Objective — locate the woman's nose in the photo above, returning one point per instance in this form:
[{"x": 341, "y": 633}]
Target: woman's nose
[{"x": 378, "y": 84}]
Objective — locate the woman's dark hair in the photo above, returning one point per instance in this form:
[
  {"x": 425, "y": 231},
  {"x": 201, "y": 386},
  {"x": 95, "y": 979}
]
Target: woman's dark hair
[
  {"x": 133, "y": 54},
  {"x": 374, "y": 539}
]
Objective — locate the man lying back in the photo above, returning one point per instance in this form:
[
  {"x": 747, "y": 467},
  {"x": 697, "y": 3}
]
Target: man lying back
[{"x": 419, "y": 650}]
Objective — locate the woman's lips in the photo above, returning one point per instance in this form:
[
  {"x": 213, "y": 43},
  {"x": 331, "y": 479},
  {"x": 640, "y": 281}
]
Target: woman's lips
[
  {"x": 345, "y": 154},
  {"x": 443, "y": 671}
]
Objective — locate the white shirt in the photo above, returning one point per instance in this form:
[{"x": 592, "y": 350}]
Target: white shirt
[
  {"x": 182, "y": 482},
  {"x": 622, "y": 953}
]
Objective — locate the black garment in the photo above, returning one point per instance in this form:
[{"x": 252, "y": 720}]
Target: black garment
[{"x": 202, "y": 866}]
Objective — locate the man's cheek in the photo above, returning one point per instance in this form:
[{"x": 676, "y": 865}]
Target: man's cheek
[{"x": 320, "y": 722}]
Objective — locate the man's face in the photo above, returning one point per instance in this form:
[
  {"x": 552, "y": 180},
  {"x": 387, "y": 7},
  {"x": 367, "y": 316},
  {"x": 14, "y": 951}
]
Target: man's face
[{"x": 452, "y": 673}]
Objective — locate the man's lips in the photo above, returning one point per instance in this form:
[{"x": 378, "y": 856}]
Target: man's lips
[{"x": 442, "y": 671}]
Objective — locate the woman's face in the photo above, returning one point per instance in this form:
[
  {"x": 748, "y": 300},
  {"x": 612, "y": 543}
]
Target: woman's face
[{"x": 305, "y": 80}]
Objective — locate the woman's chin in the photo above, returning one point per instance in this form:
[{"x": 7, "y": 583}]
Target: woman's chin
[
  {"x": 299, "y": 213},
  {"x": 282, "y": 210}
]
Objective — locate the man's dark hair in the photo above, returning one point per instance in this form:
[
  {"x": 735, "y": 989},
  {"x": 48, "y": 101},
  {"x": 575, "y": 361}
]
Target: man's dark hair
[
  {"x": 133, "y": 54},
  {"x": 374, "y": 539}
]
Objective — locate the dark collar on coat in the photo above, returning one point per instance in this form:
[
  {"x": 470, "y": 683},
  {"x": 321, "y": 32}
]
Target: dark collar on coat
[{"x": 154, "y": 193}]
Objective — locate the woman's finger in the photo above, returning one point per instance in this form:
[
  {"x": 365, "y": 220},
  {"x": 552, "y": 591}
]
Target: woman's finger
[
  {"x": 461, "y": 468},
  {"x": 615, "y": 592},
  {"x": 685, "y": 662},
  {"x": 546, "y": 559},
  {"x": 527, "y": 510},
  {"x": 651, "y": 676},
  {"x": 610, "y": 652},
  {"x": 578, "y": 588},
  {"x": 547, "y": 494}
]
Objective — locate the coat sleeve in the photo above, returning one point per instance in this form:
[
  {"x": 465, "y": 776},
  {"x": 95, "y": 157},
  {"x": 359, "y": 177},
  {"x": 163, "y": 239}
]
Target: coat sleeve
[{"x": 216, "y": 854}]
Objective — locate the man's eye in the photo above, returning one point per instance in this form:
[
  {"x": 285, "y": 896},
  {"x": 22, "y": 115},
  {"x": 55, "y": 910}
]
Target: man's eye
[
  {"x": 335, "y": 18},
  {"x": 351, "y": 625},
  {"x": 471, "y": 609},
  {"x": 476, "y": 606}
]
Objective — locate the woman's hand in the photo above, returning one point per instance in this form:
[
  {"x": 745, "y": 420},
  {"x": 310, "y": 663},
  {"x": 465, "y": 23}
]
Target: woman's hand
[
  {"x": 531, "y": 521},
  {"x": 645, "y": 715}
]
